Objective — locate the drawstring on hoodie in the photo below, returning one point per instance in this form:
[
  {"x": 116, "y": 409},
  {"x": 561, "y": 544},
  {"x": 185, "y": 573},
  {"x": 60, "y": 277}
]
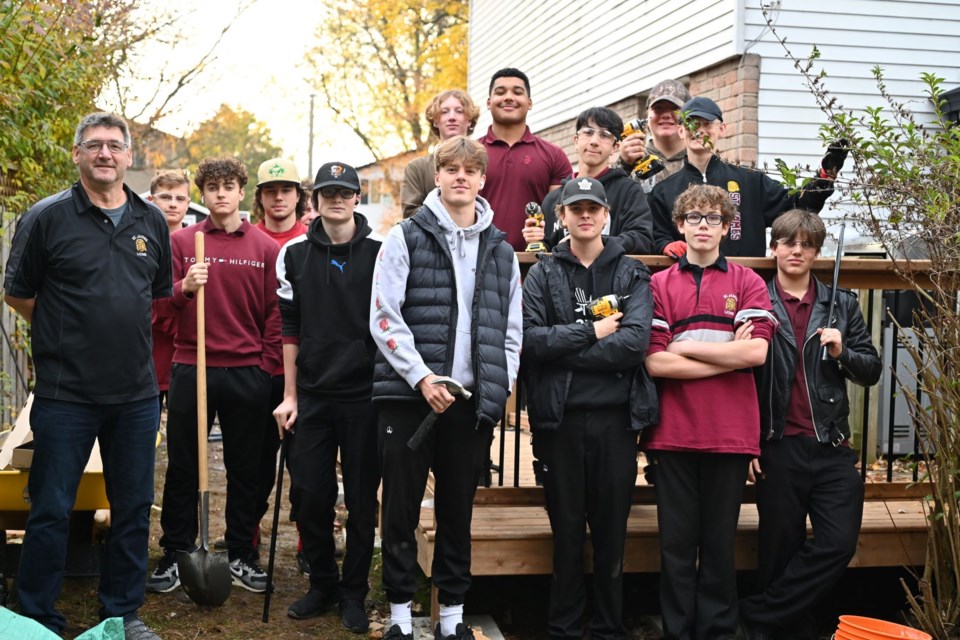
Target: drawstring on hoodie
[{"x": 458, "y": 235}]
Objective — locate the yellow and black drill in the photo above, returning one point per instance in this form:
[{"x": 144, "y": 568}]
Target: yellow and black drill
[
  {"x": 605, "y": 306},
  {"x": 534, "y": 211},
  {"x": 649, "y": 165}
]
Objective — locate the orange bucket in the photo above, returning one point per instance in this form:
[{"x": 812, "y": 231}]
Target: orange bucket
[{"x": 860, "y": 628}]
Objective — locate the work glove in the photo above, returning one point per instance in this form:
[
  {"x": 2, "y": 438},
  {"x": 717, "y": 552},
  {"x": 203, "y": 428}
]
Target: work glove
[
  {"x": 834, "y": 158},
  {"x": 676, "y": 249}
]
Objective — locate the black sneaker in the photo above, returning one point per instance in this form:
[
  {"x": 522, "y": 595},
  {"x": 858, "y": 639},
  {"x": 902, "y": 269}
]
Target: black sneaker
[
  {"x": 312, "y": 604},
  {"x": 463, "y": 632},
  {"x": 134, "y": 629},
  {"x": 165, "y": 577},
  {"x": 249, "y": 575},
  {"x": 354, "y": 616},
  {"x": 394, "y": 633}
]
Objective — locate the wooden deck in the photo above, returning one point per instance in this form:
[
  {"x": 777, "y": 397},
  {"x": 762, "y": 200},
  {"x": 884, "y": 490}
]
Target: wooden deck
[{"x": 511, "y": 533}]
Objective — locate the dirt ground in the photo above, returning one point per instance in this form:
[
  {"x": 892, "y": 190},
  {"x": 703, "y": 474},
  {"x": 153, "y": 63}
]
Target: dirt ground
[{"x": 517, "y": 604}]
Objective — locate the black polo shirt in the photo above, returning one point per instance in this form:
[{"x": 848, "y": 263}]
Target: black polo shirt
[{"x": 94, "y": 285}]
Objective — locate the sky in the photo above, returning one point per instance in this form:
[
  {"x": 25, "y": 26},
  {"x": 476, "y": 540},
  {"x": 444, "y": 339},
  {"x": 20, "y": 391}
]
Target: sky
[{"x": 259, "y": 66}]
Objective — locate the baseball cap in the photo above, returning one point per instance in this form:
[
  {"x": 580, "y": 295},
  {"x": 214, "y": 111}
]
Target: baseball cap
[
  {"x": 277, "y": 170},
  {"x": 701, "y": 107},
  {"x": 579, "y": 189},
  {"x": 669, "y": 90},
  {"x": 337, "y": 174}
]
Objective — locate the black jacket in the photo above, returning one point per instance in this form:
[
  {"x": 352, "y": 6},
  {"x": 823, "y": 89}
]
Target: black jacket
[
  {"x": 758, "y": 198},
  {"x": 430, "y": 311},
  {"x": 324, "y": 299},
  {"x": 554, "y": 345},
  {"x": 629, "y": 214},
  {"x": 826, "y": 381}
]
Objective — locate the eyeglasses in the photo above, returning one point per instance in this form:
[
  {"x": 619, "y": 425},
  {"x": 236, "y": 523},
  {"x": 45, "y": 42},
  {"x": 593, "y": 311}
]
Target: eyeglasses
[
  {"x": 169, "y": 197},
  {"x": 806, "y": 245},
  {"x": 694, "y": 217},
  {"x": 93, "y": 146},
  {"x": 603, "y": 133},
  {"x": 333, "y": 192}
]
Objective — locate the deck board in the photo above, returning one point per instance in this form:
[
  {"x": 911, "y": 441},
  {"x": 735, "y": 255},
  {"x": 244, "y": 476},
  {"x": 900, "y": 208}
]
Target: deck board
[{"x": 511, "y": 532}]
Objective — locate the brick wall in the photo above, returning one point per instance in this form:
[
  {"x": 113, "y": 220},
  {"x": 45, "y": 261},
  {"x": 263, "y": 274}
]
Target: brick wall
[{"x": 734, "y": 86}]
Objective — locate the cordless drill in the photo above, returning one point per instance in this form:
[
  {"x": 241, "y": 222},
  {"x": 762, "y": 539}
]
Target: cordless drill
[
  {"x": 650, "y": 165},
  {"x": 605, "y": 306},
  {"x": 534, "y": 211}
]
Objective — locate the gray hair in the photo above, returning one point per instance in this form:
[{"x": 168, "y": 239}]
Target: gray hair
[{"x": 102, "y": 119}]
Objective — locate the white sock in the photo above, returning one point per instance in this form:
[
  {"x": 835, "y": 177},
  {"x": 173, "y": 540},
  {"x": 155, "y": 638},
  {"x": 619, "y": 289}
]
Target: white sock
[
  {"x": 400, "y": 616},
  {"x": 450, "y": 616}
]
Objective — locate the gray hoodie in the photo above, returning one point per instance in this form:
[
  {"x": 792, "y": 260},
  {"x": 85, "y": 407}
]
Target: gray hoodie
[{"x": 390, "y": 277}]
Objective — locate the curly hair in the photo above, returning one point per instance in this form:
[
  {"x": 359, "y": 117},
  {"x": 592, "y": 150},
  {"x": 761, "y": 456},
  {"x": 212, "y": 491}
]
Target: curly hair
[
  {"x": 302, "y": 196},
  {"x": 470, "y": 109},
  {"x": 704, "y": 196},
  {"x": 220, "y": 169}
]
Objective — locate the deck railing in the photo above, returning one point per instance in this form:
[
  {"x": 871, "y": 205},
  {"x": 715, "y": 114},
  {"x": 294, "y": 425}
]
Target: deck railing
[{"x": 879, "y": 420}]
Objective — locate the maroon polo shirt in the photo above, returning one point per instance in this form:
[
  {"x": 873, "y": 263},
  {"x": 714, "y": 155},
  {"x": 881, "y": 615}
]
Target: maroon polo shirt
[
  {"x": 517, "y": 175},
  {"x": 799, "y": 418}
]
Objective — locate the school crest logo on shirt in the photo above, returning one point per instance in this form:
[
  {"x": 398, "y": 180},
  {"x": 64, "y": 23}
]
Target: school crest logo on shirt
[
  {"x": 140, "y": 245},
  {"x": 730, "y": 304},
  {"x": 336, "y": 171},
  {"x": 527, "y": 159}
]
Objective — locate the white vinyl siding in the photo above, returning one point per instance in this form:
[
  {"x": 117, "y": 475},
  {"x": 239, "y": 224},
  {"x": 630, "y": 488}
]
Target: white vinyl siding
[{"x": 583, "y": 53}]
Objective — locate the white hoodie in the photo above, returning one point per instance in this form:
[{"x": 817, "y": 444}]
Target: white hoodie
[{"x": 389, "y": 292}]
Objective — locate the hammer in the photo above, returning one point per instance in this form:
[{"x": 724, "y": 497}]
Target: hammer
[{"x": 456, "y": 389}]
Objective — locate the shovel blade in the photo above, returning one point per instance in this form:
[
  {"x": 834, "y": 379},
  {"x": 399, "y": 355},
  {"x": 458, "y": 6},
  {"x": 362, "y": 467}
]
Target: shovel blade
[{"x": 205, "y": 576}]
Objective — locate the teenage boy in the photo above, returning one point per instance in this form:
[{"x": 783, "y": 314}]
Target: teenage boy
[
  {"x": 242, "y": 349},
  {"x": 663, "y": 125},
  {"x": 445, "y": 302},
  {"x": 806, "y": 467},
  {"x": 84, "y": 268},
  {"x": 711, "y": 323},
  {"x": 757, "y": 198},
  {"x": 279, "y": 203},
  {"x": 325, "y": 279},
  {"x": 169, "y": 190},
  {"x": 450, "y": 113},
  {"x": 523, "y": 167},
  {"x": 597, "y": 139},
  {"x": 588, "y": 397}
]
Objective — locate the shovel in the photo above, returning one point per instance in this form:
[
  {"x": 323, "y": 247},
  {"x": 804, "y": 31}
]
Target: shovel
[{"x": 205, "y": 575}]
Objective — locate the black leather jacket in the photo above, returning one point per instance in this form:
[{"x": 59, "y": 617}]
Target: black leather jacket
[{"x": 826, "y": 381}]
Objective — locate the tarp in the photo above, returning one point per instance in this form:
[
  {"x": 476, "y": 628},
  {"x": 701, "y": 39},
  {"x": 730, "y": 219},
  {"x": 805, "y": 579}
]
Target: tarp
[{"x": 16, "y": 626}]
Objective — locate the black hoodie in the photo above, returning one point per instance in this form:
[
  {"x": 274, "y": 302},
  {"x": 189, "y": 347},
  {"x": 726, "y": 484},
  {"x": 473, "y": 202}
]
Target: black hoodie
[{"x": 325, "y": 306}]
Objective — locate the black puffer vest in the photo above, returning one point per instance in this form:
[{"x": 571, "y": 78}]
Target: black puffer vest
[{"x": 430, "y": 311}]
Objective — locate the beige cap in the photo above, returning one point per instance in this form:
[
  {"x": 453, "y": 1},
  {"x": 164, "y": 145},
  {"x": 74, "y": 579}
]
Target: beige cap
[{"x": 277, "y": 170}]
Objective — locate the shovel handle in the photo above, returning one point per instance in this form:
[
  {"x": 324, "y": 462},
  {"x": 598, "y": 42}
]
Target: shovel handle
[{"x": 201, "y": 374}]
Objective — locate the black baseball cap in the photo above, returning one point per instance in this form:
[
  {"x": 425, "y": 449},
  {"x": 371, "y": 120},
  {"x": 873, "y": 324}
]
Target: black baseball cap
[
  {"x": 337, "y": 174},
  {"x": 579, "y": 189},
  {"x": 701, "y": 107}
]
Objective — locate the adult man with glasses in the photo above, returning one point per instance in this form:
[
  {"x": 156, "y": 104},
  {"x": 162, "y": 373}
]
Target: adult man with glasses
[
  {"x": 757, "y": 198},
  {"x": 711, "y": 322},
  {"x": 806, "y": 466},
  {"x": 84, "y": 269},
  {"x": 523, "y": 167},
  {"x": 325, "y": 278},
  {"x": 597, "y": 139}
]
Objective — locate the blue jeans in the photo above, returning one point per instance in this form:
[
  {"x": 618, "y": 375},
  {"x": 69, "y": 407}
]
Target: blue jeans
[{"x": 64, "y": 433}]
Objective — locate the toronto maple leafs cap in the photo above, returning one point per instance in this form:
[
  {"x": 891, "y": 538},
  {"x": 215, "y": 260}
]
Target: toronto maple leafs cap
[
  {"x": 277, "y": 170},
  {"x": 337, "y": 174},
  {"x": 579, "y": 189}
]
